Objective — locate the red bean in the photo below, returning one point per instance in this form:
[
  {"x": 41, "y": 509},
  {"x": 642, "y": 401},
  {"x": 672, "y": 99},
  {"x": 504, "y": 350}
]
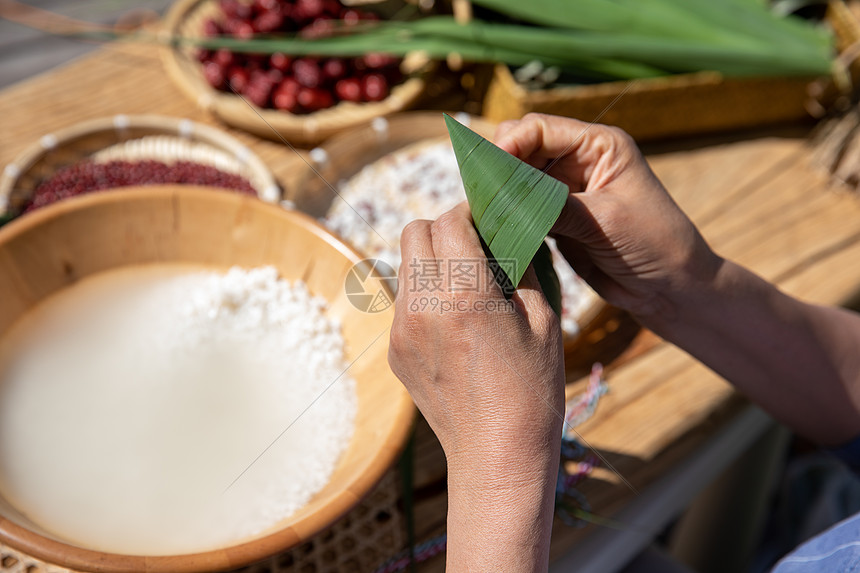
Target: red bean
[
  {"x": 87, "y": 177},
  {"x": 313, "y": 99},
  {"x": 243, "y": 30},
  {"x": 267, "y": 5},
  {"x": 280, "y": 61},
  {"x": 286, "y": 100},
  {"x": 290, "y": 85},
  {"x": 212, "y": 28},
  {"x": 366, "y": 78},
  {"x": 238, "y": 78},
  {"x": 214, "y": 74},
  {"x": 374, "y": 87},
  {"x": 268, "y": 22},
  {"x": 334, "y": 69},
  {"x": 309, "y": 9},
  {"x": 235, "y": 9},
  {"x": 376, "y": 61},
  {"x": 350, "y": 17},
  {"x": 223, "y": 58},
  {"x": 348, "y": 89},
  {"x": 307, "y": 72},
  {"x": 320, "y": 28},
  {"x": 258, "y": 94},
  {"x": 275, "y": 76}
]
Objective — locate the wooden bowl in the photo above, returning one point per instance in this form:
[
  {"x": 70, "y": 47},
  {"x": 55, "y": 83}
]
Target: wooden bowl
[
  {"x": 185, "y": 18},
  {"x": 343, "y": 156},
  {"x": 120, "y": 135},
  {"x": 55, "y": 246}
]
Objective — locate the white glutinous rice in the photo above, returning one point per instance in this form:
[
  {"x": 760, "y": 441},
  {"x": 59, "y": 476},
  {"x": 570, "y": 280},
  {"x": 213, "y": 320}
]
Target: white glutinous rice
[
  {"x": 163, "y": 410},
  {"x": 422, "y": 181}
]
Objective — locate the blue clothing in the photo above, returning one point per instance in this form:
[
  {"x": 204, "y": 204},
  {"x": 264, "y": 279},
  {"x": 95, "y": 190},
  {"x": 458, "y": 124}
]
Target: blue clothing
[
  {"x": 836, "y": 550},
  {"x": 849, "y": 454}
]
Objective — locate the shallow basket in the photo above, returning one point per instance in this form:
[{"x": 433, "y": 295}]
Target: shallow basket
[
  {"x": 122, "y": 136},
  {"x": 345, "y": 155},
  {"x": 185, "y": 18},
  {"x": 61, "y": 243}
]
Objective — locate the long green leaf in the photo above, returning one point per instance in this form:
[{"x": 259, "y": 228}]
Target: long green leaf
[
  {"x": 726, "y": 22},
  {"x": 646, "y": 17},
  {"x": 595, "y": 54},
  {"x": 513, "y": 204},
  {"x": 673, "y": 54},
  {"x": 439, "y": 39}
]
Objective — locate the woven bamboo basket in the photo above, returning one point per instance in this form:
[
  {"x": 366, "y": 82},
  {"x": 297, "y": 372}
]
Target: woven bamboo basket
[
  {"x": 345, "y": 155},
  {"x": 186, "y": 17},
  {"x": 131, "y": 138},
  {"x": 685, "y": 104},
  {"x": 365, "y": 537},
  {"x": 55, "y": 246}
]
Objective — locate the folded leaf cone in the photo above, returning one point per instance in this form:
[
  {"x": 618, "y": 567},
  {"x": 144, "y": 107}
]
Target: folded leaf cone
[{"x": 513, "y": 204}]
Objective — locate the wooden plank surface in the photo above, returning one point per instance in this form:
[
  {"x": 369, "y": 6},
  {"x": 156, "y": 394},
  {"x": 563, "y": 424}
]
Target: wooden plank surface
[{"x": 758, "y": 199}]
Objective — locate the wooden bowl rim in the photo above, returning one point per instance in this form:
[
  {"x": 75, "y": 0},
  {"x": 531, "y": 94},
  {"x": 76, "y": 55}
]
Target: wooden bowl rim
[
  {"x": 174, "y": 126},
  {"x": 304, "y": 129},
  {"x": 232, "y": 556}
]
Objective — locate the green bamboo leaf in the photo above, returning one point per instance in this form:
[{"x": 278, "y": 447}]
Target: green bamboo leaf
[
  {"x": 513, "y": 204},
  {"x": 547, "y": 277},
  {"x": 491, "y": 171},
  {"x": 516, "y": 188}
]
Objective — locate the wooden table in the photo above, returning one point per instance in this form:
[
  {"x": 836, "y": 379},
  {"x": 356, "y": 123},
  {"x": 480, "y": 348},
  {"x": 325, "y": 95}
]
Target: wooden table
[{"x": 756, "y": 197}]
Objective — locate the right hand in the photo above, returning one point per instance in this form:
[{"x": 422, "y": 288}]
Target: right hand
[{"x": 620, "y": 230}]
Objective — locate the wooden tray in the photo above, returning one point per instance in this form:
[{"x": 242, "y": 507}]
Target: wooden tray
[
  {"x": 656, "y": 108},
  {"x": 81, "y": 141},
  {"x": 186, "y": 17},
  {"x": 345, "y": 155}
]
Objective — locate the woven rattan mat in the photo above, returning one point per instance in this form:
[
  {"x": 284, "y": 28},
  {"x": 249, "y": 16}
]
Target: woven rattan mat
[{"x": 368, "y": 535}]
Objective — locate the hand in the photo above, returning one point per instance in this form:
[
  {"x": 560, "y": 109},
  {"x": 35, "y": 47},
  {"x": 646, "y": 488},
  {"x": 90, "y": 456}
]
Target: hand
[
  {"x": 488, "y": 376},
  {"x": 623, "y": 233},
  {"x": 620, "y": 229}
]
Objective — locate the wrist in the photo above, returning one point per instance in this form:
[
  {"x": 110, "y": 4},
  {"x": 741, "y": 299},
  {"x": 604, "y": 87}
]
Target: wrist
[
  {"x": 505, "y": 473},
  {"x": 507, "y": 456},
  {"x": 500, "y": 516}
]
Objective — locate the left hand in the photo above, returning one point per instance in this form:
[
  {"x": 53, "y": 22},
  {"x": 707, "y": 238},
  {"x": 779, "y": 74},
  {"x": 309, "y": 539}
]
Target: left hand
[{"x": 488, "y": 376}]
